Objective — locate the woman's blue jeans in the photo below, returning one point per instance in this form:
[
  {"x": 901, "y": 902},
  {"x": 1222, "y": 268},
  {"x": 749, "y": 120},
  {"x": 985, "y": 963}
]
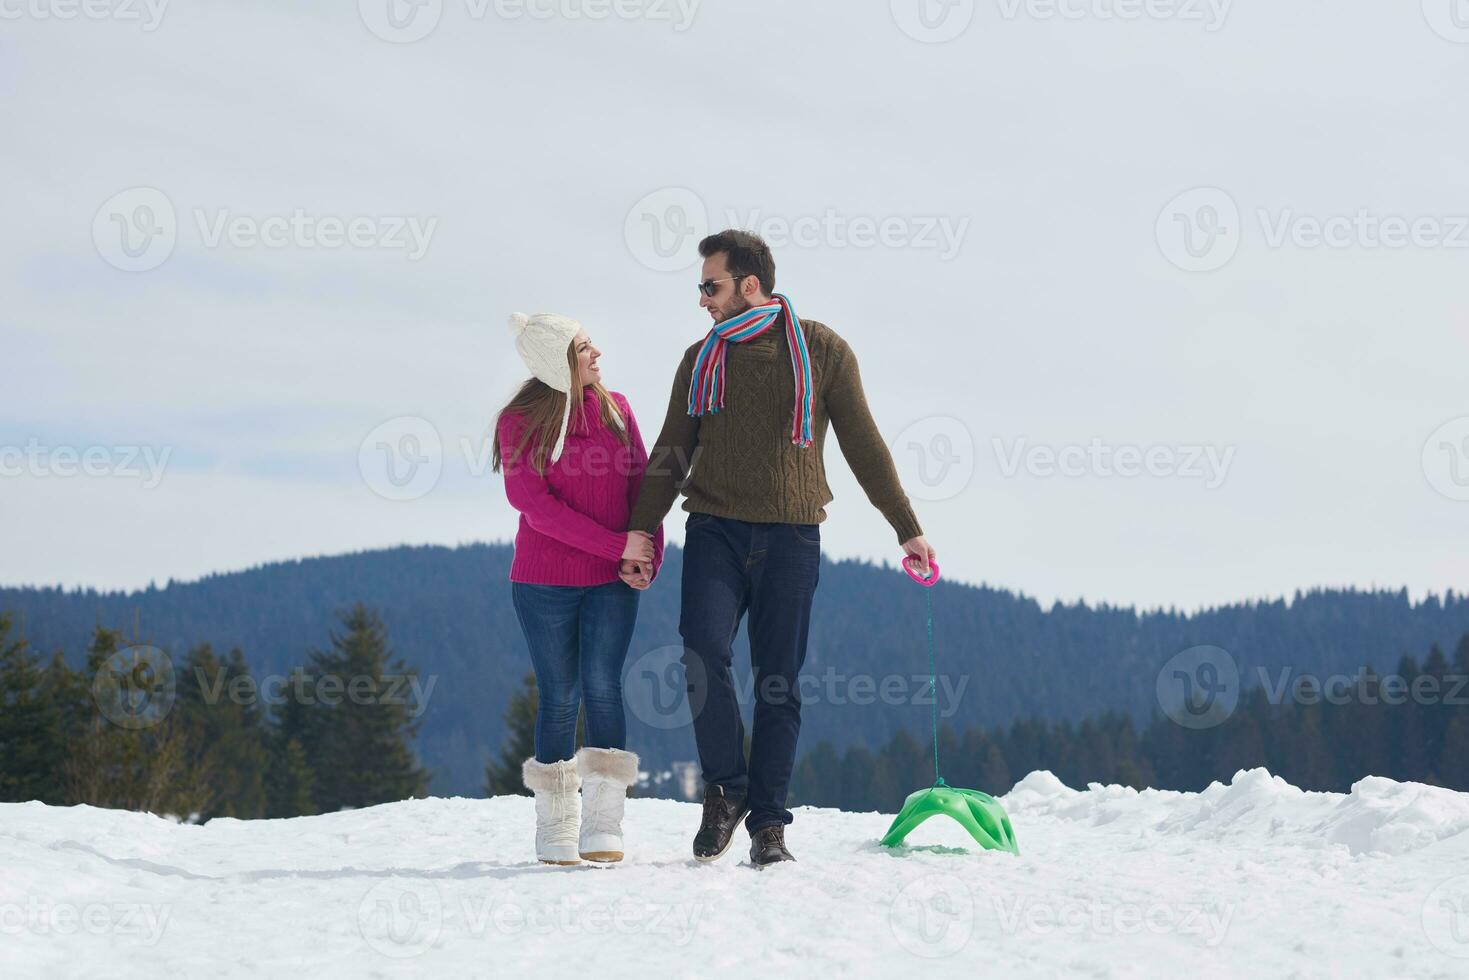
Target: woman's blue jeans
[{"x": 578, "y": 638}]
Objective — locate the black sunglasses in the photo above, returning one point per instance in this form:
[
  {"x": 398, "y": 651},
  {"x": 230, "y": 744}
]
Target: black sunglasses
[{"x": 707, "y": 286}]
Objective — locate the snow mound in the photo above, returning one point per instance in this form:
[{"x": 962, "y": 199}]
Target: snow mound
[
  {"x": 1254, "y": 804},
  {"x": 1388, "y": 817},
  {"x": 1379, "y": 816},
  {"x": 1252, "y": 878}
]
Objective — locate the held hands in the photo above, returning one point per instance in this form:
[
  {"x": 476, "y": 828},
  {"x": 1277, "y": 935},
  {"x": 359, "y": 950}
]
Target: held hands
[
  {"x": 639, "y": 548},
  {"x": 636, "y": 568},
  {"x": 923, "y": 551}
]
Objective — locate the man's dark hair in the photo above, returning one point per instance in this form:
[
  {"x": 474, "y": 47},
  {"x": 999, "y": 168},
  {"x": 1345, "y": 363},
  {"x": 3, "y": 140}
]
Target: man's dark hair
[{"x": 745, "y": 253}]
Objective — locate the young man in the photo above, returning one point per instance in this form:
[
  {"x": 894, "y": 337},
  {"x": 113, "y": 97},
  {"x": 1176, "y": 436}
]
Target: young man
[{"x": 746, "y": 428}]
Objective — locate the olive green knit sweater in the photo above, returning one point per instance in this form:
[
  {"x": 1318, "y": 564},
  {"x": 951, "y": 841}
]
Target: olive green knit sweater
[{"x": 742, "y": 460}]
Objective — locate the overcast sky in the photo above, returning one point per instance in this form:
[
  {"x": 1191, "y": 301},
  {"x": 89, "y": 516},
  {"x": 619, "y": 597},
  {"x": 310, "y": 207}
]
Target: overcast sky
[{"x": 1158, "y": 302}]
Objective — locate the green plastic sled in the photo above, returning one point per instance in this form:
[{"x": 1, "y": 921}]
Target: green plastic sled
[{"x": 979, "y": 813}]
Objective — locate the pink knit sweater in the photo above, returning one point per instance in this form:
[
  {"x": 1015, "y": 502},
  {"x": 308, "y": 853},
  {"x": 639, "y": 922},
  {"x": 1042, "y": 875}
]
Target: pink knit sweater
[{"x": 573, "y": 521}]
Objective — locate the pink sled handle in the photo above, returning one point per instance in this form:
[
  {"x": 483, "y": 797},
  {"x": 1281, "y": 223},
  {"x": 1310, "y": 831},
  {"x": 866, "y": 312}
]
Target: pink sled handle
[{"x": 927, "y": 583}]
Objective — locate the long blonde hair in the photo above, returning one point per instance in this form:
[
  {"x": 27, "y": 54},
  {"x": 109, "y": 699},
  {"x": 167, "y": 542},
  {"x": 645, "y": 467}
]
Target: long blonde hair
[{"x": 542, "y": 407}]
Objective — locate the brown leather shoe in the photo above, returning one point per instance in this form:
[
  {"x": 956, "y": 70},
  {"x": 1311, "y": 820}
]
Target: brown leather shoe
[
  {"x": 722, "y": 815},
  {"x": 768, "y": 846}
]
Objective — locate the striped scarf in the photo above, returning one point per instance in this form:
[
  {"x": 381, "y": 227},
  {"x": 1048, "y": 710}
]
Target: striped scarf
[{"x": 706, "y": 391}]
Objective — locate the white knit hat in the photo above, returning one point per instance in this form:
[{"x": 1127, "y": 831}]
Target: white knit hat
[{"x": 542, "y": 340}]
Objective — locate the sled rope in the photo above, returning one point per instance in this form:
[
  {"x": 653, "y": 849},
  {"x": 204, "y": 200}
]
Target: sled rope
[
  {"x": 933, "y": 691},
  {"x": 979, "y": 813}
]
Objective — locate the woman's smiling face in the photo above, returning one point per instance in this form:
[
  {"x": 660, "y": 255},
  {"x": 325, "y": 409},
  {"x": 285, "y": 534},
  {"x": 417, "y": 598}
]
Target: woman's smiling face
[{"x": 586, "y": 358}]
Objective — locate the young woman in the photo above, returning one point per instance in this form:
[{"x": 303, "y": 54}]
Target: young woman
[{"x": 573, "y": 461}]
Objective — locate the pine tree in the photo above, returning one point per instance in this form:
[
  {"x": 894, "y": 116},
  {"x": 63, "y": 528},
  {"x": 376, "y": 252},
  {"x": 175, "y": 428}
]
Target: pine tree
[
  {"x": 1311, "y": 767},
  {"x": 1454, "y": 760},
  {"x": 502, "y": 776},
  {"x": 858, "y": 764},
  {"x": 1409, "y": 749},
  {"x": 245, "y": 751},
  {"x": 102, "y": 769},
  {"x": 363, "y": 754},
  {"x": 291, "y": 781},
  {"x": 32, "y": 732},
  {"x": 219, "y": 709},
  {"x": 1359, "y": 732},
  {"x": 995, "y": 775},
  {"x": 1431, "y": 706},
  {"x": 130, "y": 750},
  {"x": 817, "y": 779}
]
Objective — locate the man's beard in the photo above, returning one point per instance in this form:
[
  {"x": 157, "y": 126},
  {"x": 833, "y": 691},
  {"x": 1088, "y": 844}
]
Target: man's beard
[{"x": 737, "y": 305}]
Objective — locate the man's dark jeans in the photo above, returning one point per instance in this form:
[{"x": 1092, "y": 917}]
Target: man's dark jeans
[{"x": 771, "y": 570}]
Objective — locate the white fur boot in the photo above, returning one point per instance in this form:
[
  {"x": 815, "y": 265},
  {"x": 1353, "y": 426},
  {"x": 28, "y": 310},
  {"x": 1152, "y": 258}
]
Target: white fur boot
[
  {"x": 558, "y": 808},
  {"x": 605, "y": 776}
]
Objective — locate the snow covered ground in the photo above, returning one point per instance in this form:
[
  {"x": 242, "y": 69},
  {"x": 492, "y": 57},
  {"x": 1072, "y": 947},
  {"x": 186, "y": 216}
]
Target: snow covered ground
[{"x": 1256, "y": 878}]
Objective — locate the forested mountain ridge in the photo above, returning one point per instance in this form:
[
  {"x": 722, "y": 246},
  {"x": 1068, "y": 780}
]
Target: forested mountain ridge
[{"x": 1001, "y": 656}]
